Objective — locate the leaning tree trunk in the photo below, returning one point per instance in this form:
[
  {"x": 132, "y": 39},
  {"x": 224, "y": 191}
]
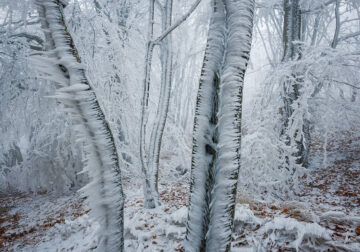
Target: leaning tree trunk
[
  {"x": 217, "y": 127},
  {"x": 62, "y": 65},
  {"x": 292, "y": 86}
]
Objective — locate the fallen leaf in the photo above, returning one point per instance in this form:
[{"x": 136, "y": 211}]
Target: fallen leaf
[
  {"x": 339, "y": 229},
  {"x": 357, "y": 230}
]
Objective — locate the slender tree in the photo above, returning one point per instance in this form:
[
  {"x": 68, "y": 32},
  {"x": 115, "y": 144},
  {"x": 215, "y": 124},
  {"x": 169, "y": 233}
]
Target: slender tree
[
  {"x": 149, "y": 190},
  {"x": 62, "y": 65},
  {"x": 152, "y": 160},
  {"x": 217, "y": 127},
  {"x": 164, "y": 98}
]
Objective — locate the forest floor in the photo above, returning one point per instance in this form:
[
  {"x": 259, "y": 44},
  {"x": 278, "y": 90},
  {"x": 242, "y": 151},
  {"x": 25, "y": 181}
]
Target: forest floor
[{"x": 324, "y": 217}]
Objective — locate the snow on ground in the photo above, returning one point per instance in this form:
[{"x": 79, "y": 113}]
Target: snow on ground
[
  {"x": 45, "y": 222},
  {"x": 324, "y": 217},
  {"x": 49, "y": 222}
]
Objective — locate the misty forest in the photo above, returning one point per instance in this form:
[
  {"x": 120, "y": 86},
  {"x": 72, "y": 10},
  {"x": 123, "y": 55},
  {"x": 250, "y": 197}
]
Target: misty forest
[{"x": 179, "y": 125}]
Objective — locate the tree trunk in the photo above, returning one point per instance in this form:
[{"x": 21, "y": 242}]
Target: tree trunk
[
  {"x": 217, "y": 127},
  {"x": 291, "y": 87},
  {"x": 149, "y": 190},
  {"x": 164, "y": 98},
  {"x": 62, "y": 66},
  {"x": 150, "y": 185},
  {"x": 291, "y": 29}
]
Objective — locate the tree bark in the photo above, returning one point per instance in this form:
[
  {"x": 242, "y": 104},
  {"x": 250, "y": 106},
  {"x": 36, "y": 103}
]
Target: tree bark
[
  {"x": 291, "y": 87},
  {"x": 104, "y": 192},
  {"x": 217, "y": 127},
  {"x": 150, "y": 184},
  {"x": 164, "y": 98}
]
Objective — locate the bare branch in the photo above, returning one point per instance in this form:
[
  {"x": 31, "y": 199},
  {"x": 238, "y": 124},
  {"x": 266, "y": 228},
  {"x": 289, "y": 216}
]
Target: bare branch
[
  {"x": 21, "y": 22},
  {"x": 159, "y": 5},
  {"x": 176, "y": 24},
  {"x": 264, "y": 6},
  {"x": 351, "y": 35},
  {"x": 29, "y": 37},
  {"x": 321, "y": 6},
  {"x": 337, "y": 27},
  {"x": 345, "y": 83}
]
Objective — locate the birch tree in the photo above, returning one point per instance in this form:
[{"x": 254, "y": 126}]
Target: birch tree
[
  {"x": 217, "y": 127},
  {"x": 62, "y": 65}
]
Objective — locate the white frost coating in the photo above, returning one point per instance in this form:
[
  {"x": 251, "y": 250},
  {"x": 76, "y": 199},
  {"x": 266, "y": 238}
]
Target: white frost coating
[
  {"x": 164, "y": 99},
  {"x": 216, "y": 151},
  {"x": 150, "y": 163},
  {"x": 243, "y": 249},
  {"x": 74, "y": 88},
  {"x": 172, "y": 231},
  {"x": 198, "y": 208},
  {"x": 239, "y": 23},
  {"x": 291, "y": 32},
  {"x": 302, "y": 230},
  {"x": 340, "y": 217},
  {"x": 179, "y": 216},
  {"x": 104, "y": 192},
  {"x": 244, "y": 214}
]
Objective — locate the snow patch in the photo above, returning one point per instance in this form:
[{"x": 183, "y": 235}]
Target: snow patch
[
  {"x": 243, "y": 213},
  {"x": 179, "y": 217},
  {"x": 292, "y": 226}
]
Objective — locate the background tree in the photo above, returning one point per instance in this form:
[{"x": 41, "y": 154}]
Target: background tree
[
  {"x": 292, "y": 37},
  {"x": 319, "y": 94}
]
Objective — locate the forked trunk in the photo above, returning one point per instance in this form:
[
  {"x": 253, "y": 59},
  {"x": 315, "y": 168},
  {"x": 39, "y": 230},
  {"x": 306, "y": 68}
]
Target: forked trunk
[{"x": 217, "y": 127}]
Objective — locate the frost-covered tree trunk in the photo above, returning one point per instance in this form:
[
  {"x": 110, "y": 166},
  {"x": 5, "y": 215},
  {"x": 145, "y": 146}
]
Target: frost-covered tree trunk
[
  {"x": 217, "y": 127},
  {"x": 291, "y": 29},
  {"x": 335, "y": 40},
  {"x": 202, "y": 178},
  {"x": 291, "y": 38},
  {"x": 164, "y": 98},
  {"x": 150, "y": 177},
  {"x": 149, "y": 190},
  {"x": 62, "y": 65}
]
